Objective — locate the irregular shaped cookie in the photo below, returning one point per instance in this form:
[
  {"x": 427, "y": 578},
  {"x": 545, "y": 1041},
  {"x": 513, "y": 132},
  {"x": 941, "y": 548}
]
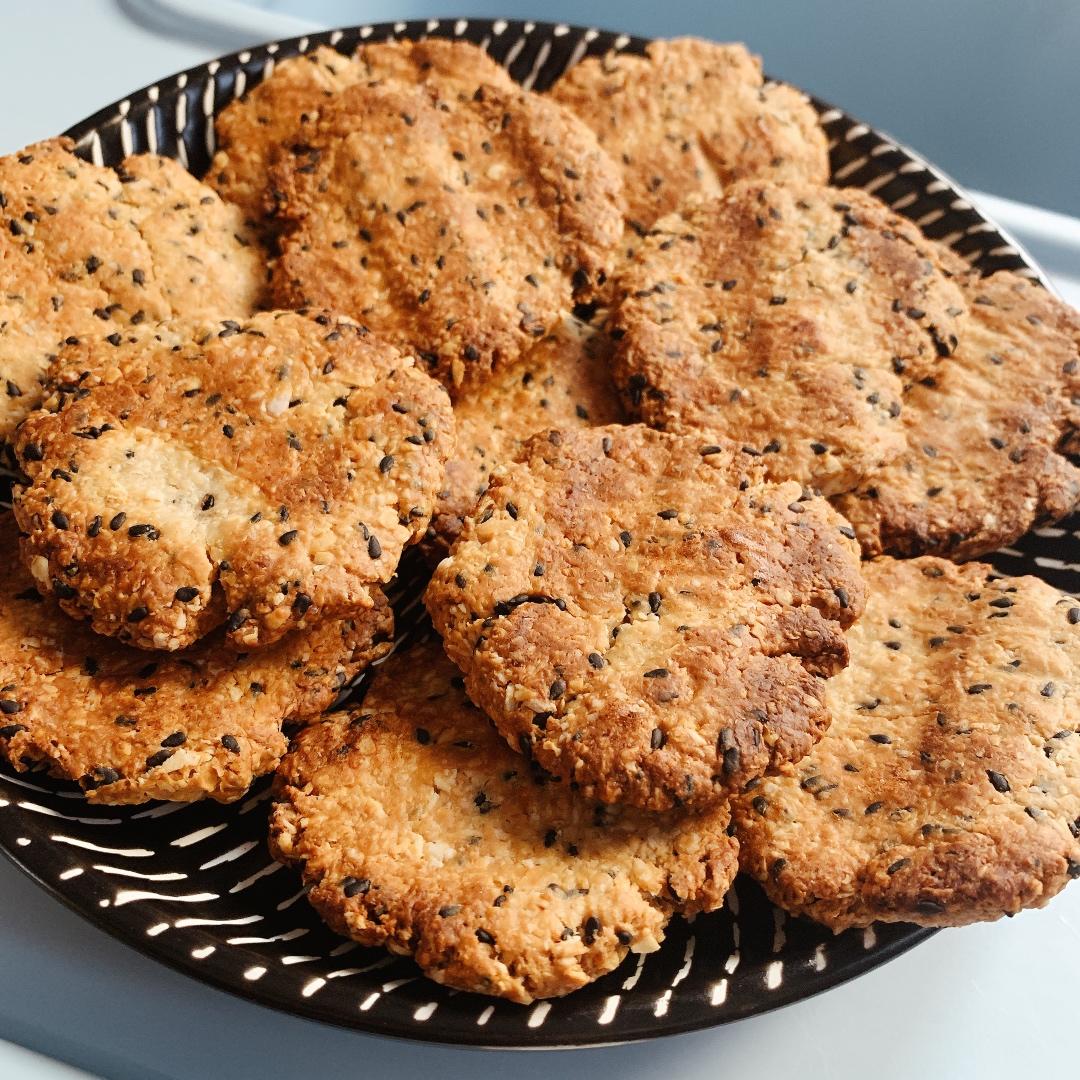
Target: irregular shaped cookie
[
  {"x": 277, "y": 113},
  {"x": 265, "y": 473},
  {"x": 86, "y": 250},
  {"x": 947, "y": 790},
  {"x": 816, "y": 326},
  {"x": 690, "y": 117},
  {"x": 648, "y": 616},
  {"x": 417, "y": 828},
  {"x": 491, "y": 216},
  {"x": 564, "y": 382},
  {"x": 129, "y": 727},
  {"x": 785, "y": 317},
  {"x": 985, "y": 432}
]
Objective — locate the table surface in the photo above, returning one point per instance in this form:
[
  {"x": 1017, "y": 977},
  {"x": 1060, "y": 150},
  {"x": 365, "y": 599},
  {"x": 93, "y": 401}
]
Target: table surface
[{"x": 987, "y": 1001}]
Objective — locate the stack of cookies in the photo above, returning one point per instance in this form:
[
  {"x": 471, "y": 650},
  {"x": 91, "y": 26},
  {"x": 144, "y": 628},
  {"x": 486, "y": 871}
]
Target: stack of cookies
[{"x": 694, "y": 442}]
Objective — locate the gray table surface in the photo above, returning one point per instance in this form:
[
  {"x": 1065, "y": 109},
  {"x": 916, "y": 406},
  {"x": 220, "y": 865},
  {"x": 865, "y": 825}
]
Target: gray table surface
[{"x": 988, "y": 1001}]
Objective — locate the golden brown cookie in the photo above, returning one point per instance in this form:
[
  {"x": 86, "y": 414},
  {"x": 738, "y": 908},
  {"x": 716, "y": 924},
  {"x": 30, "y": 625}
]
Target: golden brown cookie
[
  {"x": 461, "y": 227},
  {"x": 264, "y": 473},
  {"x": 647, "y": 615},
  {"x": 277, "y": 113},
  {"x": 947, "y": 790},
  {"x": 417, "y": 828},
  {"x": 129, "y": 727},
  {"x": 817, "y": 327},
  {"x": 564, "y": 381},
  {"x": 691, "y": 117},
  {"x": 985, "y": 456},
  {"x": 86, "y": 250}
]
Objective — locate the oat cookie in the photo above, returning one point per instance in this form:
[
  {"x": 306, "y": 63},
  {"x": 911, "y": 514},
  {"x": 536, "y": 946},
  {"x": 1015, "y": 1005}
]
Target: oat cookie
[
  {"x": 276, "y": 114},
  {"x": 816, "y": 326},
  {"x": 689, "y": 118},
  {"x": 985, "y": 455},
  {"x": 493, "y": 214},
  {"x": 647, "y": 615},
  {"x": 266, "y": 473},
  {"x": 129, "y": 727},
  {"x": 784, "y": 317},
  {"x": 86, "y": 250},
  {"x": 417, "y": 828},
  {"x": 564, "y": 381},
  {"x": 947, "y": 789}
]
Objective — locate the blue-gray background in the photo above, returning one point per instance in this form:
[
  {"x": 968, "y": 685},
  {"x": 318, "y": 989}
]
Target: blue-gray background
[{"x": 987, "y": 89}]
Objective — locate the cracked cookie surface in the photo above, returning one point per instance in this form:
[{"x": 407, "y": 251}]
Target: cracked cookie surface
[
  {"x": 129, "y": 727},
  {"x": 494, "y": 214},
  {"x": 266, "y": 474},
  {"x": 814, "y": 325},
  {"x": 416, "y": 827},
  {"x": 647, "y": 615},
  {"x": 85, "y": 250},
  {"x": 947, "y": 789}
]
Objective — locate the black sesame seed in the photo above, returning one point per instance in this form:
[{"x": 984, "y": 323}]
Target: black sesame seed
[
  {"x": 557, "y": 689},
  {"x": 892, "y": 868},
  {"x": 230, "y": 743},
  {"x": 882, "y": 739},
  {"x": 286, "y": 538},
  {"x": 657, "y": 673},
  {"x": 177, "y": 738},
  {"x": 484, "y": 937},
  {"x": 186, "y": 593},
  {"x": 596, "y": 660},
  {"x": 137, "y": 614},
  {"x": 118, "y": 521},
  {"x": 353, "y": 886},
  {"x": 10, "y": 707},
  {"x": 1000, "y": 782},
  {"x": 374, "y": 548},
  {"x": 657, "y": 739},
  {"x": 158, "y": 758}
]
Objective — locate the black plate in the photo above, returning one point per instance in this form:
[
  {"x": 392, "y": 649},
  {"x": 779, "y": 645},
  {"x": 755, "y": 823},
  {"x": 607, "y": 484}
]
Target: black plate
[{"x": 193, "y": 886}]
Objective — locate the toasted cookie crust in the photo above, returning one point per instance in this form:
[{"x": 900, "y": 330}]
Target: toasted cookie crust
[
  {"x": 985, "y": 434},
  {"x": 277, "y": 113},
  {"x": 779, "y": 316},
  {"x": 865, "y": 360},
  {"x": 495, "y": 213},
  {"x": 86, "y": 250},
  {"x": 564, "y": 381},
  {"x": 129, "y": 727},
  {"x": 265, "y": 473},
  {"x": 691, "y": 117},
  {"x": 947, "y": 789},
  {"x": 417, "y": 828},
  {"x": 648, "y": 616}
]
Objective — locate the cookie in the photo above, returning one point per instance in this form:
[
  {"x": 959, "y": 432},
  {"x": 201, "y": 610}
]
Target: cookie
[
  {"x": 129, "y": 727},
  {"x": 865, "y": 360},
  {"x": 86, "y": 250},
  {"x": 277, "y": 113},
  {"x": 264, "y": 473},
  {"x": 417, "y": 828},
  {"x": 947, "y": 790},
  {"x": 564, "y": 381},
  {"x": 985, "y": 455},
  {"x": 647, "y": 615},
  {"x": 691, "y": 117},
  {"x": 779, "y": 316},
  {"x": 493, "y": 215}
]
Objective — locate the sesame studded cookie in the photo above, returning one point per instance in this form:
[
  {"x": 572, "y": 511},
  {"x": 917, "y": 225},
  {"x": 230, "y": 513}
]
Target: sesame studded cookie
[
  {"x": 417, "y": 828},
  {"x": 947, "y": 790},
  {"x": 985, "y": 456},
  {"x": 278, "y": 112},
  {"x": 493, "y": 215},
  {"x": 129, "y": 727},
  {"x": 647, "y": 615},
  {"x": 564, "y": 381},
  {"x": 86, "y": 250},
  {"x": 784, "y": 316},
  {"x": 264, "y": 473},
  {"x": 814, "y": 326},
  {"x": 691, "y": 117}
]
